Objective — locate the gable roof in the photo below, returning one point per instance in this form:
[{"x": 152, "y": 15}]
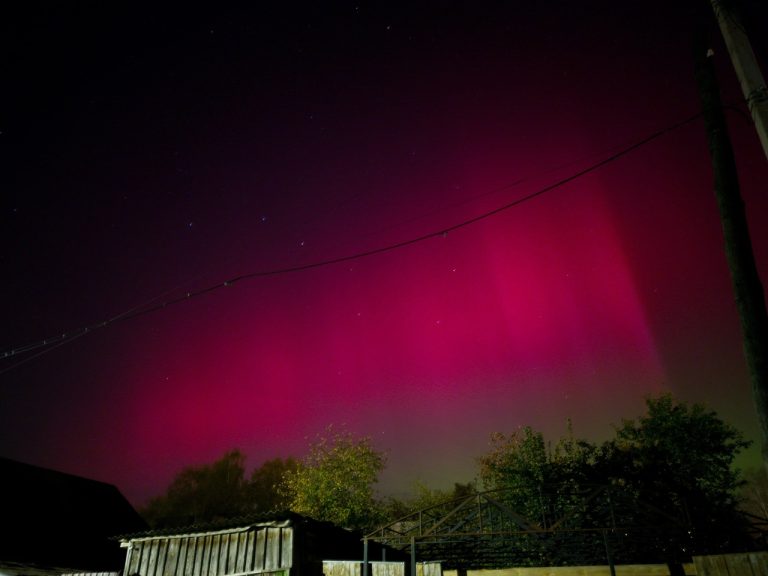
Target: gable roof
[{"x": 53, "y": 519}]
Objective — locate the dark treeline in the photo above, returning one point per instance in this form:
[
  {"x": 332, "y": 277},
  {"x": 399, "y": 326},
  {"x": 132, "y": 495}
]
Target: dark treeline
[{"x": 676, "y": 457}]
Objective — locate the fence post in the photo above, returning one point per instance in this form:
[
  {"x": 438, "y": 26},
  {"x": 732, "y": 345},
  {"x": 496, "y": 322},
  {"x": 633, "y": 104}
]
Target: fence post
[{"x": 608, "y": 554}]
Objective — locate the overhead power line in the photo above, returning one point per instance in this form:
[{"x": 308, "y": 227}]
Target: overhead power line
[{"x": 56, "y": 341}]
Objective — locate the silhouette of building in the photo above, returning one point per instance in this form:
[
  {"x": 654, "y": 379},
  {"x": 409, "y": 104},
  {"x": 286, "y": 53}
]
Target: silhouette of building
[{"x": 54, "y": 523}]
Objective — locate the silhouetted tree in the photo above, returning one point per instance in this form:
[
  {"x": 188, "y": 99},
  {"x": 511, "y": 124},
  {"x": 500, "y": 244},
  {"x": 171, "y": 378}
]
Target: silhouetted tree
[
  {"x": 201, "y": 494},
  {"x": 264, "y": 494},
  {"x": 675, "y": 463},
  {"x": 519, "y": 464},
  {"x": 680, "y": 457},
  {"x": 754, "y": 492},
  {"x": 424, "y": 497}
]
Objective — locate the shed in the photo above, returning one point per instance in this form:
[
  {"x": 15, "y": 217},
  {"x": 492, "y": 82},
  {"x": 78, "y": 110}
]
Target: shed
[{"x": 283, "y": 545}]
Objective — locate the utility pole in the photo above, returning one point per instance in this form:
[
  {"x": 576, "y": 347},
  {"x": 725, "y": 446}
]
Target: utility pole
[
  {"x": 744, "y": 62},
  {"x": 748, "y": 290}
]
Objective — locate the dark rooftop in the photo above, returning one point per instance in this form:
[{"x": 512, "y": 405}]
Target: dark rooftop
[{"x": 53, "y": 519}]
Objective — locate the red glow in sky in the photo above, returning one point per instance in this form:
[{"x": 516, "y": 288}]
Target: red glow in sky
[{"x": 228, "y": 143}]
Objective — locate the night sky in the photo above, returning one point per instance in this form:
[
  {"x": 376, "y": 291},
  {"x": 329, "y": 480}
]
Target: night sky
[{"x": 152, "y": 152}]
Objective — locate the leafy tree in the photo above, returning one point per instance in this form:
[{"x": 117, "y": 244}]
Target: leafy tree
[
  {"x": 424, "y": 497},
  {"x": 754, "y": 494},
  {"x": 517, "y": 463},
  {"x": 576, "y": 461},
  {"x": 678, "y": 452},
  {"x": 516, "y": 459},
  {"x": 680, "y": 457},
  {"x": 335, "y": 481},
  {"x": 676, "y": 458},
  {"x": 201, "y": 494},
  {"x": 264, "y": 494}
]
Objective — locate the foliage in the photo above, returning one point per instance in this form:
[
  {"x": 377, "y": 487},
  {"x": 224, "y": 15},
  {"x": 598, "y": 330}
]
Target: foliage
[
  {"x": 576, "y": 461},
  {"x": 201, "y": 494},
  {"x": 515, "y": 460},
  {"x": 677, "y": 454},
  {"x": 335, "y": 481},
  {"x": 519, "y": 464},
  {"x": 680, "y": 458},
  {"x": 677, "y": 458},
  {"x": 424, "y": 497},
  {"x": 263, "y": 490},
  {"x": 754, "y": 492}
]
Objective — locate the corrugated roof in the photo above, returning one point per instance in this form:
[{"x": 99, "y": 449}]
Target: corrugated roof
[{"x": 229, "y": 524}]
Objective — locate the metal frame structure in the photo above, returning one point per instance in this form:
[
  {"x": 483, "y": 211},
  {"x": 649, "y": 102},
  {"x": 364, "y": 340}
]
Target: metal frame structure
[{"x": 556, "y": 526}]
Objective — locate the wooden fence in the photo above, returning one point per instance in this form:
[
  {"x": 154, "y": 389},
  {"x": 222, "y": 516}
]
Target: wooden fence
[
  {"x": 251, "y": 550},
  {"x": 354, "y": 568},
  {"x": 747, "y": 564},
  {"x": 753, "y": 564},
  {"x": 602, "y": 570}
]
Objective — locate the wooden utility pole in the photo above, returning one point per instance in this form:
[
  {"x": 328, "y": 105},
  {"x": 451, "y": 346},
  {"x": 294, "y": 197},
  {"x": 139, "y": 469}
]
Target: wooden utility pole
[
  {"x": 744, "y": 62},
  {"x": 748, "y": 290}
]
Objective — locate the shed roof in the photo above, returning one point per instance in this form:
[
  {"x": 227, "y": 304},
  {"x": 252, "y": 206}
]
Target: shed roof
[{"x": 230, "y": 524}]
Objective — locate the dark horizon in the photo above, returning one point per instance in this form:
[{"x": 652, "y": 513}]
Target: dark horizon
[{"x": 155, "y": 153}]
